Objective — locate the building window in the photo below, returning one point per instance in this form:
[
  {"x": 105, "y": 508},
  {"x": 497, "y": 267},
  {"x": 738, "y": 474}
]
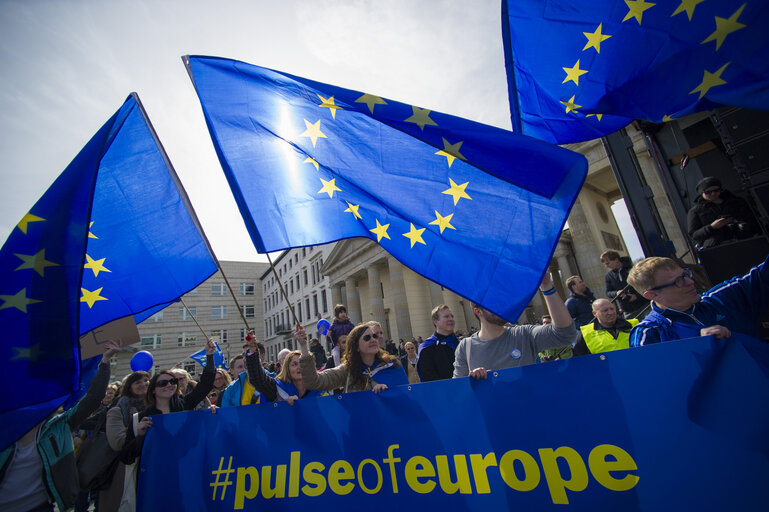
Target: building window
[
  {"x": 185, "y": 339},
  {"x": 188, "y": 315},
  {"x": 299, "y": 310},
  {"x": 218, "y": 312},
  {"x": 315, "y": 304},
  {"x": 323, "y": 301},
  {"x": 242, "y": 335},
  {"x": 217, "y": 289},
  {"x": 151, "y": 341},
  {"x": 307, "y": 304},
  {"x": 297, "y": 283},
  {"x": 190, "y": 367},
  {"x": 304, "y": 252},
  {"x": 292, "y": 286},
  {"x": 157, "y": 317},
  {"x": 267, "y": 328},
  {"x": 290, "y": 264},
  {"x": 192, "y": 293},
  {"x": 219, "y": 336},
  {"x": 248, "y": 311},
  {"x": 305, "y": 276},
  {"x": 246, "y": 288}
]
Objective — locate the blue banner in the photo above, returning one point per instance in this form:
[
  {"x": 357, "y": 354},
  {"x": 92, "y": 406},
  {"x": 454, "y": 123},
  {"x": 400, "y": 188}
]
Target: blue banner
[{"x": 674, "y": 426}]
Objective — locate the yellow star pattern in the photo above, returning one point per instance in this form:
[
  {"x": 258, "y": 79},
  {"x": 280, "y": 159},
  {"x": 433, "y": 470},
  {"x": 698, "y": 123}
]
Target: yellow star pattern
[
  {"x": 570, "y": 105},
  {"x": 371, "y": 101},
  {"x": 599, "y": 116},
  {"x": 415, "y": 235},
  {"x": 710, "y": 80},
  {"x": 421, "y": 117},
  {"x": 353, "y": 208},
  {"x": 688, "y": 6},
  {"x": 329, "y": 104},
  {"x": 329, "y": 187},
  {"x": 443, "y": 222},
  {"x": 28, "y": 353},
  {"x": 18, "y": 301},
  {"x": 311, "y": 160},
  {"x": 96, "y": 265},
  {"x": 573, "y": 73},
  {"x": 24, "y": 222},
  {"x": 91, "y": 235},
  {"x": 457, "y": 191},
  {"x": 380, "y": 231},
  {"x": 666, "y": 118},
  {"x": 724, "y": 27},
  {"x": 636, "y": 9},
  {"x": 90, "y": 298},
  {"x": 313, "y": 131},
  {"x": 594, "y": 39},
  {"x": 36, "y": 262},
  {"x": 451, "y": 151}
]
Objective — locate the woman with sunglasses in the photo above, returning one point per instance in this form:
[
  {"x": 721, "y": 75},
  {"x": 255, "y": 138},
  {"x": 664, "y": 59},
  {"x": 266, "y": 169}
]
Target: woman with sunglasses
[
  {"x": 364, "y": 364},
  {"x": 164, "y": 397}
]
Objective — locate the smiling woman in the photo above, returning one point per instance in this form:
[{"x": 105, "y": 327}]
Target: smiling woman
[{"x": 365, "y": 365}]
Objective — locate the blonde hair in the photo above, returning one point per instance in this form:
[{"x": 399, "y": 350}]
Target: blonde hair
[
  {"x": 285, "y": 374},
  {"x": 641, "y": 276}
]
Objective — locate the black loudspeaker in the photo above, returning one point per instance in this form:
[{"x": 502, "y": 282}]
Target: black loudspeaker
[{"x": 736, "y": 258}]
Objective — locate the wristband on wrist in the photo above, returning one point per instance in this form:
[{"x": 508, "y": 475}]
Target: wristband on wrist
[{"x": 549, "y": 292}]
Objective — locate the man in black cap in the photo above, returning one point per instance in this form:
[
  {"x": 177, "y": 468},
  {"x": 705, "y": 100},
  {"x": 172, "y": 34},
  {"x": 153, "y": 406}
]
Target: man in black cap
[{"x": 719, "y": 216}]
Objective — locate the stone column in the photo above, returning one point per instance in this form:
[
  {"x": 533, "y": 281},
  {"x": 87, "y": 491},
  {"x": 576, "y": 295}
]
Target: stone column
[
  {"x": 375, "y": 295},
  {"x": 353, "y": 302},
  {"x": 336, "y": 296},
  {"x": 561, "y": 255},
  {"x": 436, "y": 294},
  {"x": 586, "y": 250},
  {"x": 400, "y": 302}
]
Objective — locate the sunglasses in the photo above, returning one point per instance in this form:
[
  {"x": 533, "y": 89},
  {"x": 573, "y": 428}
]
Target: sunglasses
[
  {"x": 367, "y": 337},
  {"x": 164, "y": 383},
  {"x": 679, "y": 282}
]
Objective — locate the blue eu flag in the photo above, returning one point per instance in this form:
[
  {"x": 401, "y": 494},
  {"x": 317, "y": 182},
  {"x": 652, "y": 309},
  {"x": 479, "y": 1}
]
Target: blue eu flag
[
  {"x": 580, "y": 69},
  {"x": 474, "y": 208},
  {"x": 200, "y": 357},
  {"x": 111, "y": 237}
]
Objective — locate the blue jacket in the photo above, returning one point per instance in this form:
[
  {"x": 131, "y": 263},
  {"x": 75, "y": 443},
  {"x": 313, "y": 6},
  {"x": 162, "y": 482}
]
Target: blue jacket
[
  {"x": 737, "y": 304},
  {"x": 580, "y": 307}
]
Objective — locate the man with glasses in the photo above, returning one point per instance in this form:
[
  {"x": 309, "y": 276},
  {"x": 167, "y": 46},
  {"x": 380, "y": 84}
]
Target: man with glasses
[
  {"x": 679, "y": 312},
  {"x": 719, "y": 216}
]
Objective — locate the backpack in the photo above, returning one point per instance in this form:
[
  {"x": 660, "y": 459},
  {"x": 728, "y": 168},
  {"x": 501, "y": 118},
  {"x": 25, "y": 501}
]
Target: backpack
[{"x": 96, "y": 460}]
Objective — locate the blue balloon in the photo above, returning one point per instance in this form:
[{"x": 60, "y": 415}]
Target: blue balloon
[
  {"x": 323, "y": 326},
  {"x": 141, "y": 361}
]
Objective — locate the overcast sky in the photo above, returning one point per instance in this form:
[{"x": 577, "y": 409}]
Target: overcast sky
[{"x": 68, "y": 65}]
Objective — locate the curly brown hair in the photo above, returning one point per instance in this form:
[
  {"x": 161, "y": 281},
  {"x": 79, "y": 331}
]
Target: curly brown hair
[{"x": 351, "y": 357}]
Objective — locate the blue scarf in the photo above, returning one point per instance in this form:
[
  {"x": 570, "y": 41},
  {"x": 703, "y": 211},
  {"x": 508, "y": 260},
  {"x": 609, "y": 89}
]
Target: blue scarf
[
  {"x": 389, "y": 374},
  {"x": 287, "y": 389}
]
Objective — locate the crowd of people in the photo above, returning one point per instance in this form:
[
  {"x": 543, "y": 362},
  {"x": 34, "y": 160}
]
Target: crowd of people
[{"x": 653, "y": 301}]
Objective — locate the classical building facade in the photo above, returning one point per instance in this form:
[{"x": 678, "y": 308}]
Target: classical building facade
[
  {"x": 299, "y": 272},
  {"x": 171, "y": 335}
]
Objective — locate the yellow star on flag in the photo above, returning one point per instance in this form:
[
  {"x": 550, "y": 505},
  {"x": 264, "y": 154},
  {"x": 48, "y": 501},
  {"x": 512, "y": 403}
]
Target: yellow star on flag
[
  {"x": 24, "y": 222},
  {"x": 421, "y": 117},
  {"x": 96, "y": 265},
  {"x": 313, "y": 131},
  {"x": 599, "y": 116},
  {"x": 710, "y": 80},
  {"x": 311, "y": 160},
  {"x": 457, "y": 191},
  {"x": 90, "y": 298},
  {"x": 570, "y": 105},
  {"x": 36, "y": 262},
  {"x": 371, "y": 101},
  {"x": 666, "y": 118},
  {"x": 380, "y": 231},
  {"x": 443, "y": 222},
  {"x": 91, "y": 235},
  {"x": 329, "y": 187},
  {"x": 353, "y": 208},
  {"x": 574, "y": 73},
  {"x": 636, "y": 9},
  {"x": 329, "y": 104},
  {"x": 415, "y": 235},
  {"x": 451, "y": 151},
  {"x": 594, "y": 39},
  {"x": 28, "y": 353},
  {"x": 688, "y": 6},
  {"x": 724, "y": 27},
  {"x": 18, "y": 301}
]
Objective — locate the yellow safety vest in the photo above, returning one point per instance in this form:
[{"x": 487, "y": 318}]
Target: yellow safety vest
[{"x": 603, "y": 341}]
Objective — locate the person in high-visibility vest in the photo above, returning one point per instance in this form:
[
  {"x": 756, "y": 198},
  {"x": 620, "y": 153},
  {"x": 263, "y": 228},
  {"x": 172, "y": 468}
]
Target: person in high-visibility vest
[{"x": 608, "y": 331}]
